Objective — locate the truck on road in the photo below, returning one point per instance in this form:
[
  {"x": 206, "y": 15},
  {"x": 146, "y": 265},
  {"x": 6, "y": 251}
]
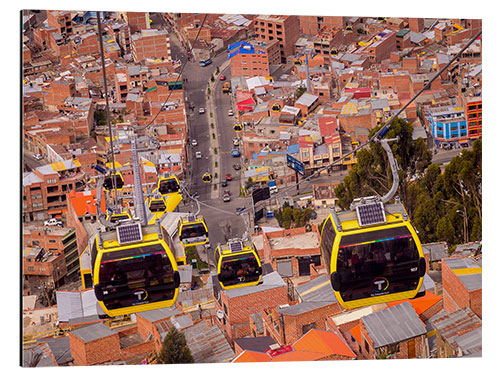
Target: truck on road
[{"x": 273, "y": 189}]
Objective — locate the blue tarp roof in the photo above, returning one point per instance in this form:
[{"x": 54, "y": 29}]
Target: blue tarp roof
[{"x": 240, "y": 47}]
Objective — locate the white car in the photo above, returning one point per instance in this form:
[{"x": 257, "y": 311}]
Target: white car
[
  {"x": 198, "y": 155},
  {"x": 194, "y": 142},
  {"x": 38, "y": 156},
  {"x": 236, "y": 142},
  {"x": 201, "y": 111},
  {"x": 52, "y": 222},
  {"x": 230, "y": 112}
]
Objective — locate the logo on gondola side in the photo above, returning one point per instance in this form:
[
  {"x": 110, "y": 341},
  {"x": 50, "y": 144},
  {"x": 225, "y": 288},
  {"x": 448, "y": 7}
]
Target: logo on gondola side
[
  {"x": 140, "y": 294},
  {"x": 380, "y": 284}
]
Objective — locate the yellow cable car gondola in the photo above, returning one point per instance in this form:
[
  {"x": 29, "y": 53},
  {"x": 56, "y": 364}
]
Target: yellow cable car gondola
[
  {"x": 133, "y": 269},
  {"x": 334, "y": 52},
  {"x": 237, "y": 127},
  {"x": 168, "y": 185},
  {"x": 193, "y": 231},
  {"x": 207, "y": 177},
  {"x": 373, "y": 254},
  {"x": 108, "y": 180},
  {"x": 238, "y": 264}
]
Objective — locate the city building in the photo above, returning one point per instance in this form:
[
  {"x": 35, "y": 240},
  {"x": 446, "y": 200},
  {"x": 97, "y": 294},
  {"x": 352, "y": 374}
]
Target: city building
[
  {"x": 448, "y": 125},
  {"x": 150, "y": 43},
  {"x": 234, "y": 306},
  {"x": 284, "y": 29},
  {"x": 45, "y": 189},
  {"x": 56, "y": 241},
  {"x": 462, "y": 284},
  {"x": 459, "y": 333},
  {"x": 253, "y": 58},
  {"x": 289, "y": 251},
  {"x": 396, "y": 332}
]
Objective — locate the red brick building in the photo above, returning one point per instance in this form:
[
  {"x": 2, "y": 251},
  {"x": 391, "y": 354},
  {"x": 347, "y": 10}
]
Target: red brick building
[
  {"x": 150, "y": 43},
  {"x": 61, "y": 21},
  {"x": 312, "y": 25},
  {"x": 253, "y": 58},
  {"x": 45, "y": 189},
  {"x": 98, "y": 344},
  {"x": 396, "y": 332},
  {"x": 289, "y": 251},
  {"x": 56, "y": 241},
  {"x": 284, "y": 29},
  {"x": 462, "y": 284},
  {"x": 234, "y": 306}
]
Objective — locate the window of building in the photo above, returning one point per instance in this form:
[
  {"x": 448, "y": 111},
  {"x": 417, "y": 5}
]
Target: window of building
[
  {"x": 307, "y": 327},
  {"x": 51, "y": 181},
  {"x": 367, "y": 347},
  {"x": 31, "y": 269}
]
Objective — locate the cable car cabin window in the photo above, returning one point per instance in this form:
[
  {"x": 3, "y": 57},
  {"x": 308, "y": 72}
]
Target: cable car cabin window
[
  {"x": 239, "y": 269},
  {"x": 157, "y": 205},
  {"x": 193, "y": 231},
  {"x": 116, "y": 218},
  {"x": 136, "y": 276},
  {"x": 377, "y": 263},
  {"x": 108, "y": 182},
  {"x": 168, "y": 186},
  {"x": 327, "y": 239}
]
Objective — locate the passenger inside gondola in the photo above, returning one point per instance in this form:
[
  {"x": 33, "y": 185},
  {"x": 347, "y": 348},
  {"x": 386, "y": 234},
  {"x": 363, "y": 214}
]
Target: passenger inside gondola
[{"x": 168, "y": 186}]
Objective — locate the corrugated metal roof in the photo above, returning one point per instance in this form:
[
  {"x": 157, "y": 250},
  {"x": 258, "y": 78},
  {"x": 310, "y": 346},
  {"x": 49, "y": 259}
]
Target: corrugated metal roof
[
  {"x": 471, "y": 342},
  {"x": 318, "y": 289},
  {"x": 269, "y": 281},
  {"x": 303, "y": 307},
  {"x": 450, "y": 325},
  {"x": 393, "y": 325},
  {"x": 208, "y": 345},
  {"x": 159, "y": 314},
  {"x": 72, "y": 305},
  {"x": 307, "y": 99},
  {"x": 93, "y": 332}
]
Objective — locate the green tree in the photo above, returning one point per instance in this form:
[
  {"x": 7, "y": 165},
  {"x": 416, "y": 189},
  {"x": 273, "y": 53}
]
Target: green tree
[
  {"x": 372, "y": 175},
  {"x": 174, "y": 348},
  {"x": 299, "y": 91}
]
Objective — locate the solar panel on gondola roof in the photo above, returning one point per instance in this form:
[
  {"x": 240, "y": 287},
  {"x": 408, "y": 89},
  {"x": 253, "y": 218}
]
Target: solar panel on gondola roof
[
  {"x": 235, "y": 247},
  {"x": 370, "y": 214},
  {"x": 129, "y": 233}
]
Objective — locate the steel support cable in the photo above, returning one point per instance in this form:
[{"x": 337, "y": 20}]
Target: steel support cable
[
  {"x": 385, "y": 128},
  {"x": 108, "y": 116}
]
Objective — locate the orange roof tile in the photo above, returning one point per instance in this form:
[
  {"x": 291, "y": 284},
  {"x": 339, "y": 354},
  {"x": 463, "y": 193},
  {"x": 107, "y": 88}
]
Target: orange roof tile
[
  {"x": 323, "y": 342},
  {"x": 420, "y": 304},
  {"x": 249, "y": 356},
  {"x": 356, "y": 332},
  {"x": 85, "y": 203}
]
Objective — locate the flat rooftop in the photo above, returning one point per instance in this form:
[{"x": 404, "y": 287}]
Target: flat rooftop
[{"x": 300, "y": 241}]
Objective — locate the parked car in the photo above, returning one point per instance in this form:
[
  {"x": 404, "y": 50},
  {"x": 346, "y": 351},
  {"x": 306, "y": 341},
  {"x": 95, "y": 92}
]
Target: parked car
[
  {"x": 226, "y": 198},
  {"x": 38, "y": 156},
  {"x": 228, "y": 192},
  {"x": 205, "y": 62},
  {"x": 230, "y": 112},
  {"x": 222, "y": 77},
  {"x": 236, "y": 142},
  {"x": 236, "y": 167},
  {"x": 194, "y": 142},
  {"x": 198, "y": 155},
  {"x": 224, "y": 183},
  {"x": 52, "y": 222},
  {"x": 229, "y": 177}
]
